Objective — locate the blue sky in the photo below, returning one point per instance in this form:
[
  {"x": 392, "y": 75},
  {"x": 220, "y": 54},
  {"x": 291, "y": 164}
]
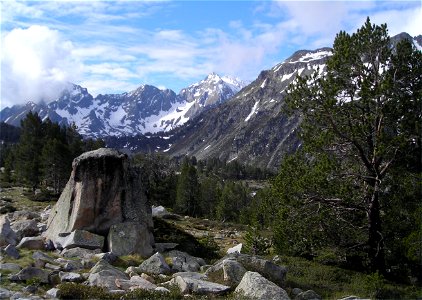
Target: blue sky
[{"x": 115, "y": 46}]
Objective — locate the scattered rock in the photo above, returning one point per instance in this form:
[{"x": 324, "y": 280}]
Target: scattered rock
[
  {"x": 80, "y": 253},
  {"x": 163, "y": 247},
  {"x": 183, "y": 262},
  {"x": 266, "y": 268},
  {"x": 103, "y": 190},
  {"x": 5, "y": 293},
  {"x": 308, "y": 295},
  {"x": 233, "y": 272},
  {"x": 29, "y": 273},
  {"x": 235, "y": 249},
  {"x": 255, "y": 286},
  {"x": 80, "y": 238},
  {"x": 7, "y": 235},
  {"x": 296, "y": 291},
  {"x": 70, "y": 277},
  {"x": 133, "y": 270},
  {"x": 32, "y": 243},
  {"x": 136, "y": 282},
  {"x": 10, "y": 267},
  {"x": 147, "y": 277},
  {"x": 52, "y": 267},
  {"x": 109, "y": 257},
  {"x": 130, "y": 238},
  {"x": 12, "y": 251},
  {"x": 30, "y": 289},
  {"x": 105, "y": 275},
  {"x": 156, "y": 264},
  {"x": 188, "y": 285},
  {"x": 52, "y": 293},
  {"x": 193, "y": 275},
  {"x": 24, "y": 228}
]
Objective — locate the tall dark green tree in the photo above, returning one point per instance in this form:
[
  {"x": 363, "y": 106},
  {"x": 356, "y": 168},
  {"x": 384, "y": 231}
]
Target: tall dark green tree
[
  {"x": 28, "y": 157},
  {"x": 188, "y": 190},
  {"x": 361, "y": 121}
]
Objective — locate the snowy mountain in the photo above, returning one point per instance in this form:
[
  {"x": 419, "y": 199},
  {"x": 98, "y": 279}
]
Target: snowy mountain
[{"x": 146, "y": 109}]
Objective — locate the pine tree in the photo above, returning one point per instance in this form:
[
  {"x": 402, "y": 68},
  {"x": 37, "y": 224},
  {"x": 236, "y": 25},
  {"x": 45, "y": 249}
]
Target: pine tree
[
  {"x": 359, "y": 121},
  {"x": 187, "y": 193}
]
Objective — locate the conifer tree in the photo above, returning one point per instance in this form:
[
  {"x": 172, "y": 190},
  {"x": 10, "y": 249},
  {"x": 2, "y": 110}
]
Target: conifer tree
[{"x": 360, "y": 122}]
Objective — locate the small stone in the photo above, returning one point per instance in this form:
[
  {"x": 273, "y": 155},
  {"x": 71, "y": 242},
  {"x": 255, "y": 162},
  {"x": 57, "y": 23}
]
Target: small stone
[
  {"x": 12, "y": 251},
  {"x": 10, "y": 267},
  {"x": 156, "y": 264},
  {"x": 308, "y": 295},
  {"x": 52, "y": 293},
  {"x": 147, "y": 277},
  {"x": 70, "y": 277},
  {"x": 32, "y": 243},
  {"x": 30, "y": 289},
  {"x": 5, "y": 293},
  {"x": 52, "y": 267}
]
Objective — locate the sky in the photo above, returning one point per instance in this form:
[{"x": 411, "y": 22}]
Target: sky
[{"x": 112, "y": 47}]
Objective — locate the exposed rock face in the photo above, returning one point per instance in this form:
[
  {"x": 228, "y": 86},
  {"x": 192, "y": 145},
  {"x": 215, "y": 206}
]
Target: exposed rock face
[{"x": 103, "y": 190}]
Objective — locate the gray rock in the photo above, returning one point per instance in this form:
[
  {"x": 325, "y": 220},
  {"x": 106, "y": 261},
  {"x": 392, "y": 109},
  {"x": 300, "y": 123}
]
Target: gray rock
[
  {"x": 30, "y": 289},
  {"x": 183, "y": 262},
  {"x": 72, "y": 266},
  {"x": 12, "y": 251},
  {"x": 32, "y": 243},
  {"x": 266, "y": 268},
  {"x": 52, "y": 293},
  {"x": 130, "y": 238},
  {"x": 105, "y": 275},
  {"x": 30, "y": 273},
  {"x": 80, "y": 238},
  {"x": 109, "y": 257},
  {"x": 52, "y": 267},
  {"x": 70, "y": 277},
  {"x": 103, "y": 190},
  {"x": 156, "y": 264},
  {"x": 5, "y": 293},
  {"x": 233, "y": 272},
  {"x": 193, "y": 275},
  {"x": 255, "y": 286},
  {"x": 24, "y": 228},
  {"x": 135, "y": 282},
  {"x": 7, "y": 235},
  {"x": 163, "y": 247},
  {"x": 133, "y": 270},
  {"x": 161, "y": 289},
  {"x": 10, "y": 267},
  {"x": 80, "y": 253},
  {"x": 308, "y": 295},
  {"x": 227, "y": 270},
  {"x": 189, "y": 285},
  {"x": 38, "y": 255},
  {"x": 296, "y": 291}
]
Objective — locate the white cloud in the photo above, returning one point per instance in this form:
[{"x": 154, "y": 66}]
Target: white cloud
[{"x": 36, "y": 64}]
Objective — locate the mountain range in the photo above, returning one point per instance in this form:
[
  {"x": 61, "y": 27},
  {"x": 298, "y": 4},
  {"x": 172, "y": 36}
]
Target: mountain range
[
  {"x": 219, "y": 117},
  {"x": 147, "y": 109}
]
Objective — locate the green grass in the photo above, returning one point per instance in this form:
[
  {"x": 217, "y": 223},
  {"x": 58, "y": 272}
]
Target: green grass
[
  {"x": 21, "y": 201},
  {"x": 333, "y": 282}
]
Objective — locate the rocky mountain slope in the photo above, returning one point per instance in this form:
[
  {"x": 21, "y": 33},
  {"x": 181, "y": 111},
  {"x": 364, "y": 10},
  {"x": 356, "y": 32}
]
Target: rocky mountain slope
[{"x": 146, "y": 109}]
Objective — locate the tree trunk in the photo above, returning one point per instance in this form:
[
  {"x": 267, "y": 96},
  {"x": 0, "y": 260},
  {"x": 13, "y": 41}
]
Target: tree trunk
[{"x": 375, "y": 239}]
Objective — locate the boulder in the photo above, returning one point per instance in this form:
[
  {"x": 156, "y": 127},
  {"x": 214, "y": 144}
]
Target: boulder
[
  {"x": 15, "y": 268},
  {"x": 70, "y": 277},
  {"x": 109, "y": 257},
  {"x": 80, "y": 238},
  {"x": 228, "y": 271},
  {"x": 52, "y": 293},
  {"x": 135, "y": 282},
  {"x": 24, "y": 228},
  {"x": 30, "y": 273},
  {"x": 12, "y": 251},
  {"x": 266, "y": 268},
  {"x": 5, "y": 293},
  {"x": 7, "y": 235},
  {"x": 130, "y": 238},
  {"x": 103, "y": 190},
  {"x": 32, "y": 243},
  {"x": 308, "y": 295},
  {"x": 183, "y": 262},
  {"x": 105, "y": 275},
  {"x": 255, "y": 286},
  {"x": 156, "y": 264},
  {"x": 189, "y": 285},
  {"x": 80, "y": 253}
]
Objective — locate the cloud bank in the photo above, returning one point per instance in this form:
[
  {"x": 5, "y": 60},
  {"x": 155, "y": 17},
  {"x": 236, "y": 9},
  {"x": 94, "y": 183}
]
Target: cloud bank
[{"x": 36, "y": 64}]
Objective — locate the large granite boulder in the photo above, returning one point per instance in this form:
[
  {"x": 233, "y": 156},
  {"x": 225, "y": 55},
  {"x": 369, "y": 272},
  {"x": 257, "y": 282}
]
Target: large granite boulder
[
  {"x": 255, "y": 286},
  {"x": 103, "y": 190}
]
